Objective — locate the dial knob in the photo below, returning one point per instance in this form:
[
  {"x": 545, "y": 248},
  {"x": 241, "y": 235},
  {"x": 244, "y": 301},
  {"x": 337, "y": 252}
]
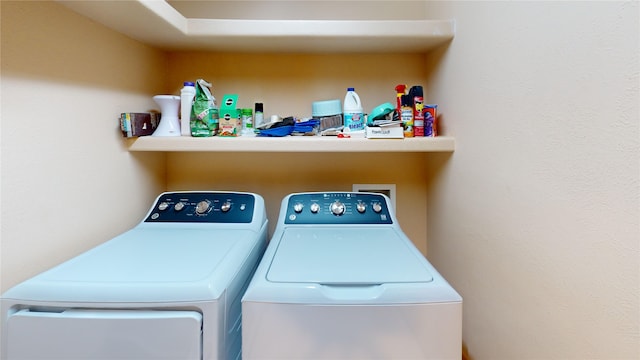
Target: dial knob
[
  {"x": 298, "y": 207},
  {"x": 163, "y": 206},
  {"x": 226, "y": 206},
  {"x": 203, "y": 207},
  {"x": 178, "y": 206},
  {"x": 315, "y": 208},
  {"x": 361, "y": 207},
  {"x": 377, "y": 207},
  {"x": 337, "y": 208}
]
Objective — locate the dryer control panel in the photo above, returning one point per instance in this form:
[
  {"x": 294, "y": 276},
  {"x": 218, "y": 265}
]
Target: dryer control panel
[
  {"x": 203, "y": 207},
  {"x": 337, "y": 208}
]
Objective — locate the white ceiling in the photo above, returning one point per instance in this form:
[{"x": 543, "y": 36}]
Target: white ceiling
[
  {"x": 306, "y": 26},
  {"x": 302, "y": 9}
]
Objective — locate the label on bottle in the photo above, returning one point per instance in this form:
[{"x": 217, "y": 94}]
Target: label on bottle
[
  {"x": 418, "y": 116},
  {"x": 247, "y": 119},
  {"x": 259, "y": 119},
  {"x": 406, "y": 115},
  {"x": 430, "y": 120},
  {"x": 354, "y": 121}
]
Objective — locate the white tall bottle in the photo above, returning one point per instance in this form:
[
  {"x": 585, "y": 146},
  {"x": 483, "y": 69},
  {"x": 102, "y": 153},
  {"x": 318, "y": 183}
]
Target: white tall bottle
[
  {"x": 187, "y": 94},
  {"x": 352, "y": 111}
]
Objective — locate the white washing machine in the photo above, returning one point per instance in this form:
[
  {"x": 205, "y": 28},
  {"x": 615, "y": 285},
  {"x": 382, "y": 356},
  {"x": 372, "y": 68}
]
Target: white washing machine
[
  {"x": 169, "y": 288},
  {"x": 340, "y": 280}
]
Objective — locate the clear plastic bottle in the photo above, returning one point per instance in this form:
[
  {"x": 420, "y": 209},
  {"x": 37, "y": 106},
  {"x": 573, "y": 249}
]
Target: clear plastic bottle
[
  {"x": 352, "y": 111},
  {"x": 187, "y": 94},
  {"x": 258, "y": 118},
  {"x": 247, "y": 122}
]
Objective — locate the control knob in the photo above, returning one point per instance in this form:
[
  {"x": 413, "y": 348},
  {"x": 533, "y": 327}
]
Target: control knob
[
  {"x": 361, "y": 207},
  {"x": 377, "y": 207},
  {"x": 337, "y": 208},
  {"x": 203, "y": 207},
  {"x": 163, "y": 206},
  {"x": 226, "y": 206},
  {"x": 178, "y": 206},
  {"x": 315, "y": 208},
  {"x": 297, "y": 207}
]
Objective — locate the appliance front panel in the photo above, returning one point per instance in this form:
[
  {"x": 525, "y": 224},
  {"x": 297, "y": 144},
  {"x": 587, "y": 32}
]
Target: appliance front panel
[
  {"x": 104, "y": 334},
  {"x": 303, "y": 331}
]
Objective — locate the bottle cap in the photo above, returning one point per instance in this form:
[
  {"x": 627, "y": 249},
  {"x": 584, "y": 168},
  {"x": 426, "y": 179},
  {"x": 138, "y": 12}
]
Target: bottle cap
[
  {"x": 189, "y": 83},
  {"x": 259, "y": 107},
  {"x": 351, "y": 89}
]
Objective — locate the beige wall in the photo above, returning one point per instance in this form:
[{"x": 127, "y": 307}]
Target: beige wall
[
  {"x": 535, "y": 218},
  {"x": 68, "y": 182}
]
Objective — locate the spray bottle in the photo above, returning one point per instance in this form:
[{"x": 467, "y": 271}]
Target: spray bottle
[
  {"x": 417, "y": 97},
  {"x": 401, "y": 90}
]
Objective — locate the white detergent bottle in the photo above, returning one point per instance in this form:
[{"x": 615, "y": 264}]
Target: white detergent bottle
[
  {"x": 187, "y": 94},
  {"x": 352, "y": 111}
]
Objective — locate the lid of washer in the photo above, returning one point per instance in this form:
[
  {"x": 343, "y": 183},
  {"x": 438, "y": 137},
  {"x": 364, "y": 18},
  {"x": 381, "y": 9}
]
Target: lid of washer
[{"x": 347, "y": 256}]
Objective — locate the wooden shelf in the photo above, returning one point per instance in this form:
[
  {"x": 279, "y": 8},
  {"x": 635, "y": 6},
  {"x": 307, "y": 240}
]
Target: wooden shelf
[
  {"x": 158, "y": 24},
  {"x": 291, "y": 144}
]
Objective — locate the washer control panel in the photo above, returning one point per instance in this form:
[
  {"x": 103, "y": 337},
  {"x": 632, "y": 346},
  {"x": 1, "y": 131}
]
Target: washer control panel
[
  {"x": 337, "y": 208},
  {"x": 203, "y": 207}
]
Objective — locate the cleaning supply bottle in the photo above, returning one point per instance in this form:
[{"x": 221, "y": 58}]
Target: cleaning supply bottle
[
  {"x": 259, "y": 115},
  {"x": 187, "y": 94},
  {"x": 352, "y": 111},
  {"x": 417, "y": 97},
  {"x": 401, "y": 90},
  {"x": 247, "y": 122},
  {"x": 406, "y": 115}
]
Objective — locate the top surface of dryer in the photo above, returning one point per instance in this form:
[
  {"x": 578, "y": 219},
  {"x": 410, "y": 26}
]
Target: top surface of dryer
[{"x": 165, "y": 258}]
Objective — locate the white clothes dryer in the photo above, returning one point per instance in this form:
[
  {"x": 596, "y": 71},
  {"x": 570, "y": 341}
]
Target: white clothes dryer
[
  {"x": 340, "y": 280},
  {"x": 169, "y": 288}
]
